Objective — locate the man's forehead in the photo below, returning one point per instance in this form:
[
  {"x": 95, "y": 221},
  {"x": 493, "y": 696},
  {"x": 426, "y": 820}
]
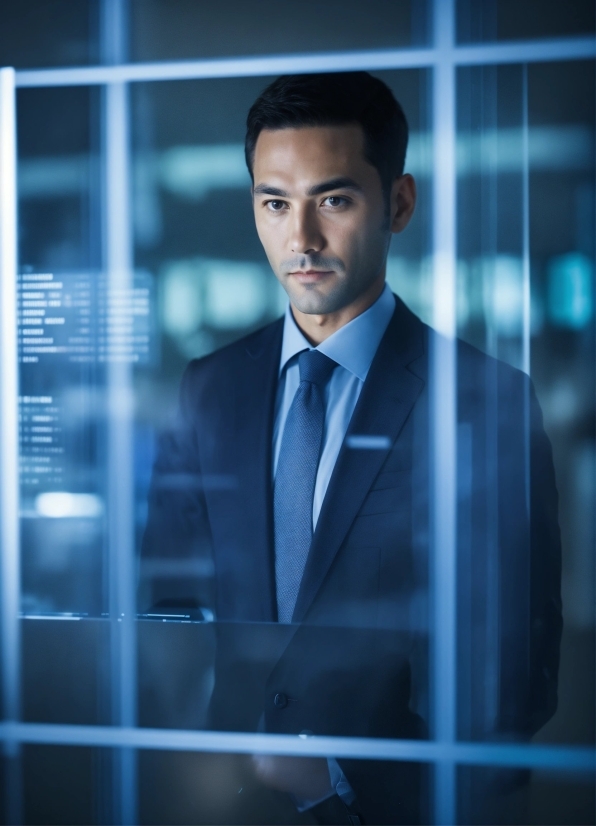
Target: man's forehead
[
  {"x": 310, "y": 143},
  {"x": 310, "y": 153}
]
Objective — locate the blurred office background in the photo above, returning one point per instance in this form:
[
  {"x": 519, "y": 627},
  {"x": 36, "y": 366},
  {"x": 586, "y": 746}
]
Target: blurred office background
[{"x": 198, "y": 278}]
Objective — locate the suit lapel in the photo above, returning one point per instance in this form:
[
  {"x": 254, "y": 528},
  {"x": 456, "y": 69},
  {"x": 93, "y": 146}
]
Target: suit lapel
[
  {"x": 250, "y": 452},
  {"x": 388, "y": 395}
]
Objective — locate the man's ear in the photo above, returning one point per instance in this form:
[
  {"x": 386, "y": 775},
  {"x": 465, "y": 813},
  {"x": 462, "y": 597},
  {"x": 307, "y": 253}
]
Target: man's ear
[{"x": 402, "y": 202}]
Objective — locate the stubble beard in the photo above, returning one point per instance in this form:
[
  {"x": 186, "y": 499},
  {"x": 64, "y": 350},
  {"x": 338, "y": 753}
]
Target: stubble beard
[{"x": 310, "y": 300}]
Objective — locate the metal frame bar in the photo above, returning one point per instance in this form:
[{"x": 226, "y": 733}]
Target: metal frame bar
[
  {"x": 118, "y": 265},
  {"x": 443, "y": 413},
  {"x": 526, "y": 281},
  {"x": 9, "y": 414},
  {"x": 120, "y": 480},
  {"x": 571, "y": 48},
  {"x": 526, "y": 284},
  {"x": 120, "y": 407},
  {"x": 574, "y": 759},
  {"x": 10, "y": 574}
]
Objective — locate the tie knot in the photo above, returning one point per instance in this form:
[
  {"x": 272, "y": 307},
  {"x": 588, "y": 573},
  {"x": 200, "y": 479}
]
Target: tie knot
[{"x": 315, "y": 367}]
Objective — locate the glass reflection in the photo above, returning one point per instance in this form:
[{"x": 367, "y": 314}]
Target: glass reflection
[{"x": 201, "y": 283}]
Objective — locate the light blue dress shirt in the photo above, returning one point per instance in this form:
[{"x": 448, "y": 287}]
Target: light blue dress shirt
[{"x": 353, "y": 347}]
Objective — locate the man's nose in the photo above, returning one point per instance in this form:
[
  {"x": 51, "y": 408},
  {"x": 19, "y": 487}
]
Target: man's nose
[{"x": 306, "y": 233}]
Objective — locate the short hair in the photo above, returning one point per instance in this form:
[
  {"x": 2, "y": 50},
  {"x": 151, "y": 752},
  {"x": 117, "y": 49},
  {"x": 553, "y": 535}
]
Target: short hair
[{"x": 294, "y": 101}]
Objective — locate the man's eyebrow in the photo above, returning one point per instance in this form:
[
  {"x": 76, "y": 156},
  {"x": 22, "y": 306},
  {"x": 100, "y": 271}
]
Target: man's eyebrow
[
  {"x": 265, "y": 189},
  {"x": 334, "y": 183},
  {"x": 318, "y": 189}
]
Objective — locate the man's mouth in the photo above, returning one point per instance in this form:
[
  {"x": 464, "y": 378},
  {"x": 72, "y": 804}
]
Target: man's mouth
[{"x": 310, "y": 276}]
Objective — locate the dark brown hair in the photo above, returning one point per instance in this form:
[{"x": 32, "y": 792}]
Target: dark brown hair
[{"x": 293, "y": 101}]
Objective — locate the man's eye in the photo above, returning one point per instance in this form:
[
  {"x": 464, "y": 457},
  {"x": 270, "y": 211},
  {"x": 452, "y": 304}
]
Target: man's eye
[
  {"x": 275, "y": 206},
  {"x": 335, "y": 201}
]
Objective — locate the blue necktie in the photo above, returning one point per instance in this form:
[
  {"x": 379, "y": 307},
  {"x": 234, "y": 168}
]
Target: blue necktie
[{"x": 295, "y": 478}]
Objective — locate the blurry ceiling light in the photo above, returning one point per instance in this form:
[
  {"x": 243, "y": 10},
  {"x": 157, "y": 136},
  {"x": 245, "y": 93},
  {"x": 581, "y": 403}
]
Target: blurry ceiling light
[
  {"x": 48, "y": 177},
  {"x": 503, "y": 293},
  {"x": 60, "y": 504},
  {"x": 181, "y": 297},
  {"x": 411, "y": 280},
  {"x": 236, "y": 293},
  {"x": 550, "y": 148},
  {"x": 213, "y": 292},
  {"x": 193, "y": 171},
  {"x": 570, "y": 290}
]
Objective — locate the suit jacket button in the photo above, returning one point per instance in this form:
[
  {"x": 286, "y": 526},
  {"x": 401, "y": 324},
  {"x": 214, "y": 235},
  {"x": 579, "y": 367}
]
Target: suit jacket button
[{"x": 280, "y": 701}]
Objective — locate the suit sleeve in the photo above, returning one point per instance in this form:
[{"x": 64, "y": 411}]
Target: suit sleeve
[{"x": 176, "y": 564}]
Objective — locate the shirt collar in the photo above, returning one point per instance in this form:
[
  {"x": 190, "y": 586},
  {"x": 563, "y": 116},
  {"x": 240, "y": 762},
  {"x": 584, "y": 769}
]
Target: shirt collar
[{"x": 353, "y": 346}]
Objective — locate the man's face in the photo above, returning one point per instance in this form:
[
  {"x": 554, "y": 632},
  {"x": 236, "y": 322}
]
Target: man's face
[{"x": 320, "y": 214}]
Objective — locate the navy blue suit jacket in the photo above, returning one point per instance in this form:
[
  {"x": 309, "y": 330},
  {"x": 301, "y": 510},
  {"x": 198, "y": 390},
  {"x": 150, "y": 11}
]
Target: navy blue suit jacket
[{"x": 356, "y": 662}]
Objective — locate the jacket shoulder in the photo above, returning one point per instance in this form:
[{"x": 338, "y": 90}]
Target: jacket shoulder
[
  {"x": 472, "y": 363},
  {"x": 476, "y": 367},
  {"x": 224, "y": 365}
]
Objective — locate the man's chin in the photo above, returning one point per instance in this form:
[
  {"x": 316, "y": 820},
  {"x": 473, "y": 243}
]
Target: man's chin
[{"x": 311, "y": 301}]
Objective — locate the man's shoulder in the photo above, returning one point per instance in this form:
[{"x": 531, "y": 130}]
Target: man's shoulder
[
  {"x": 475, "y": 368},
  {"x": 473, "y": 364},
  {"x": 225, "y": 363}
]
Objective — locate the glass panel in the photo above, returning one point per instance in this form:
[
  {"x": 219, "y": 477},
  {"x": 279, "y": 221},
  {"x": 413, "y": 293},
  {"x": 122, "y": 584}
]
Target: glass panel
[
  {"x": 525, "y": 295},
  {"x": 520, "y": 796},
  {"x": 184, "y": 30},
  {"x": 65, "y": 670},
  {"x": 561, "y": 798},
  {"x": 562, "y": 245},
  {"x": 63, "y": 784},
  {"x": 525, "y": 20},
  {"x": 179, "y": 787},
  {"x": 60, "y": 291},
  {"x": 208, "y": 651},
  {"x": 58, "y": 178},
  {"x": 40, "y": 33}
]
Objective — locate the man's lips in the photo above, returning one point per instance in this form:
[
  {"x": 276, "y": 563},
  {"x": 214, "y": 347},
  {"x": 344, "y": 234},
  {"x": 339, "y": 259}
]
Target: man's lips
[{"x": 309, "y": 276}]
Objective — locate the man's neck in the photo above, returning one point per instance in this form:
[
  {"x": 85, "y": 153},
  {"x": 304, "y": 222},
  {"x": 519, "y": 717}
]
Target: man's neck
[{"x": 316, "y": 328}]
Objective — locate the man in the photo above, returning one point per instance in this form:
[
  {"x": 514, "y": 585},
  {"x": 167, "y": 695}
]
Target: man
[{"x": 302, "y": 461}]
